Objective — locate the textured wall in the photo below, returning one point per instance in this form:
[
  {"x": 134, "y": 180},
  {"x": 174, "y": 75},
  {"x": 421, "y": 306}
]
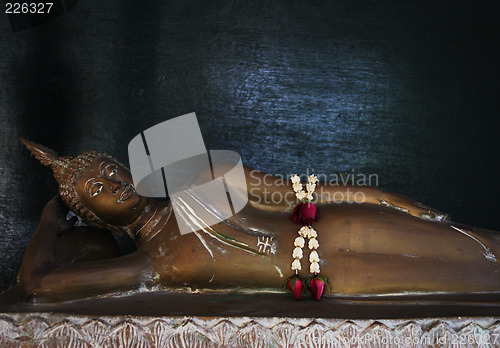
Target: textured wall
[{"x": 404, "y": 89}]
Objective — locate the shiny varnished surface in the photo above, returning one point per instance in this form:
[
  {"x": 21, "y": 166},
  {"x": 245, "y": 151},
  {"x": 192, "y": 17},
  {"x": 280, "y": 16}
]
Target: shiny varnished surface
[
  {"x": 407, "y": 91},
  {"x": 266, "y": 305},
  {"x": 384, "y": 245}
]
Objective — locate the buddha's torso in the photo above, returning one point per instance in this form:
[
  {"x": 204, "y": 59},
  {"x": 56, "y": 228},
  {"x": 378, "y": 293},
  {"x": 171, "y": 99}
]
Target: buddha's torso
[{"x": 364, "y": 249}]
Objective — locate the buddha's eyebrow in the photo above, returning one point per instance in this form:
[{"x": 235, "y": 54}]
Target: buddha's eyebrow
[
  {"x": 100, "y": 165},
  {"x": 86, "y": 183}
]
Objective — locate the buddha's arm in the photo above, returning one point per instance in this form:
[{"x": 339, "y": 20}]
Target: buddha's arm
[
  {"x": 39, "y": 257},
  {"x": 43, "y": 276},
  {"x": 373, "y": 195},
  {"x": 94, "y": 278},
  {"x": 274, "y": 193}
]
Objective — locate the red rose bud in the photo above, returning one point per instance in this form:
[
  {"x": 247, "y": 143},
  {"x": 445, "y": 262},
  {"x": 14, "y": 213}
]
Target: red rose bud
[
  {"x": 296, "y": 286},
  {"x": 317, "y": 287},
  {"x": 305, "y": 214}
]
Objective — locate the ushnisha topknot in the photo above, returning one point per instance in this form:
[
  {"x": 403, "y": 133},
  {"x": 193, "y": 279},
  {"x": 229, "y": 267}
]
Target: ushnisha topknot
[{"x": 66, "y": 170}]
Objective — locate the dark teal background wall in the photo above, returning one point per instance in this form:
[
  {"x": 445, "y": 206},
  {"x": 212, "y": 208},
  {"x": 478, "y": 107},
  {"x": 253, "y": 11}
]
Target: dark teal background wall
[{"x": 407, "y": 90}]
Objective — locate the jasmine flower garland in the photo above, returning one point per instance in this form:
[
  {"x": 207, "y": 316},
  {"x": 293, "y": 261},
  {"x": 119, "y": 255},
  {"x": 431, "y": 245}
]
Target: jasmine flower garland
[{"x": 306, "y": 213}]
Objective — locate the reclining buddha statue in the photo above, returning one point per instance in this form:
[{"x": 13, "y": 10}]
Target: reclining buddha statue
[{"x": 383, "y": 244}]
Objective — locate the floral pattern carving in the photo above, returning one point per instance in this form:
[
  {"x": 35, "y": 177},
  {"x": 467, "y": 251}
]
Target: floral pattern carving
[{"x": 53, "y": 330}]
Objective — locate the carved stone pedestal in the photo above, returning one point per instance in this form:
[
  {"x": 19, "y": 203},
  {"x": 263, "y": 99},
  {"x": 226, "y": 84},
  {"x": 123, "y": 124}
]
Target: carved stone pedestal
[{"x": 55, "y": 330}]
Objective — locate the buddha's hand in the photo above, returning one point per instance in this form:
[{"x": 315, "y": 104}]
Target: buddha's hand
[{"x": 55, "y": 213}]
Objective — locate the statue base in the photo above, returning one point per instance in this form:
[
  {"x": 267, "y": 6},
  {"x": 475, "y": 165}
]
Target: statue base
[
  {"x": 160, "y": 319},
  {"x": 57, "y": 330}
]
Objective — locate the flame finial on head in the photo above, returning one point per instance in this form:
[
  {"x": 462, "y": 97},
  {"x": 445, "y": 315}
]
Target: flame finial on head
[{"x": 49, "y": 158}]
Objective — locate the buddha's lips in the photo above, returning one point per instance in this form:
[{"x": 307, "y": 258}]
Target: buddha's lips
[{"x": 127, "y": 192}]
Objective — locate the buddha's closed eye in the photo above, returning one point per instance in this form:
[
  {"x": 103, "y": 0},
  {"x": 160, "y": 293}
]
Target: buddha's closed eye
[
  {"x": 95, "y": 189},
  {"x": 110, "y": 170}
]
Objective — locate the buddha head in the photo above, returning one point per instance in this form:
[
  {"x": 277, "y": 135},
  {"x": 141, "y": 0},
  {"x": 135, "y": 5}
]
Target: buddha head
[{"x": 94, "y": 186}]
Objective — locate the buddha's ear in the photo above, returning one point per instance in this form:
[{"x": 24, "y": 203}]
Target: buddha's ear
[{"x": 41, "y": 153}]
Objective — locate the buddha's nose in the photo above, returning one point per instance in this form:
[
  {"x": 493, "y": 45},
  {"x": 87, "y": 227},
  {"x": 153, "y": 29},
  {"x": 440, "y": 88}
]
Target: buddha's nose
[{"x": 115, "y": 186}]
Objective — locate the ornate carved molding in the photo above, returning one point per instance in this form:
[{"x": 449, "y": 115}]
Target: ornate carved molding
[{"x": 52, "y": 330}]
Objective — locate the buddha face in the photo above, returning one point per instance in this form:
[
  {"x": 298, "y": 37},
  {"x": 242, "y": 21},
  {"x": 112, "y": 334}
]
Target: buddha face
[{"x": 106, "y": 188}]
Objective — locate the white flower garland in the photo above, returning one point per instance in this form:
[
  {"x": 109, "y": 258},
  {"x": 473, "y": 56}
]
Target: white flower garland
[{"x": 305, "y": 231}]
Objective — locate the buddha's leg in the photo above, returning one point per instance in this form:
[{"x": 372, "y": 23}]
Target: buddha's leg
[{"x": 366, "y": 249}]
